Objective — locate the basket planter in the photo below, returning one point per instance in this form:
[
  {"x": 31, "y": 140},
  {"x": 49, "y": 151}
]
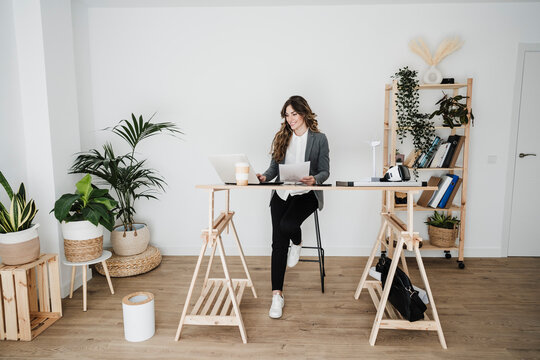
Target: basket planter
[
  {"x": 83, "y": 241},
  {"x": 128, "y": 243},
  {"x": 19, "y": 247},
  {"x": 441, "y": 237}
]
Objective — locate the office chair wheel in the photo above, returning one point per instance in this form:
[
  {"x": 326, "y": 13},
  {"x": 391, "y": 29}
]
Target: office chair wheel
[
  {"x": 461, "y": 265},
  {"x": 447, "y": 255}
]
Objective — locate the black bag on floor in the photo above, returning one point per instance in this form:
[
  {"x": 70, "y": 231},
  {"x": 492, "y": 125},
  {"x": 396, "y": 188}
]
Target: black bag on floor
[{"x": 402, "y": 294}]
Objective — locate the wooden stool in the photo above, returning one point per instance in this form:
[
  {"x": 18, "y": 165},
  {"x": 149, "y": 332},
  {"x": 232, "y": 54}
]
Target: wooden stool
[{"x": 106, "y": 254}]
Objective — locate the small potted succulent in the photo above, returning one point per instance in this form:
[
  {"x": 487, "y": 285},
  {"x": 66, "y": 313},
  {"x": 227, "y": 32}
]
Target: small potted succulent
[
  {"x": 454, "y": 113},
  {"x": 19, "y": 240},
  {"x": 442, "y": 229},
  {"x": 83, "y": 216}
]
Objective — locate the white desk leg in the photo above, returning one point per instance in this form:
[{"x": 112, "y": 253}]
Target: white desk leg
[
  {"x": 72, "y": 281},
  {"x": 386, "y": 292},
  {"x": 84, "y": 286},
  {"x": 370, "y": 260}
]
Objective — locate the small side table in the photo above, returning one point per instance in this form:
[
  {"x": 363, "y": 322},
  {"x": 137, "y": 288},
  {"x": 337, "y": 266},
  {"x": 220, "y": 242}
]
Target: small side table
[{"x": 104, "y": 256}]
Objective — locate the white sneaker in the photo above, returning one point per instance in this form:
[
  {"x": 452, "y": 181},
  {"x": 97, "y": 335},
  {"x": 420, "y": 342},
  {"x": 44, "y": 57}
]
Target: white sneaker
[
  {"x": 294, "y": 255},
  {"x": 276, "y": 310}
]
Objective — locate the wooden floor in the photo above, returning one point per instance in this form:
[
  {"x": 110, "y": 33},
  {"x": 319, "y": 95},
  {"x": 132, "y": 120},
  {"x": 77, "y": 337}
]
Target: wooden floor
[{"x": 490, "y": 310}]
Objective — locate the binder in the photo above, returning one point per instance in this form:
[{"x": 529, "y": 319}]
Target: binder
[
  {"x": 438, "y": 159},
  {"x": 448, "y": 191},
  {"x": 427, "y": 194},
  {"x": 453, "y": 194},
  {"x": 457, "y": 151},
  {"x": 453, "y": 140},
  {"x": 436, "y": 198}
]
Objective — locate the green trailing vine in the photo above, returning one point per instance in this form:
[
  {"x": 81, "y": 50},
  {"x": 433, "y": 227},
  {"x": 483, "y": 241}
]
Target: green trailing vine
[{"x": 409, "y": 120}]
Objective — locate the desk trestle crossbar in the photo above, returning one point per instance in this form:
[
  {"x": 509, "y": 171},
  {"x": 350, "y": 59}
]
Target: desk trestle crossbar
[
  {"x": 219, "y": 302},
  {"x": 393, "y": 226}
]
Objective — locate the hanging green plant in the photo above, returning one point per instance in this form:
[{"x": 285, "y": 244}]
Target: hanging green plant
[
  {"x": 409, "y": 120},
  {"x": 452, "y": 111}
]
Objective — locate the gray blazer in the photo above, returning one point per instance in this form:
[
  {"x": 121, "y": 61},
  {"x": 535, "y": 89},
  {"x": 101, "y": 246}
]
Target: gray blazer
[{"x": 318, "y": 153}]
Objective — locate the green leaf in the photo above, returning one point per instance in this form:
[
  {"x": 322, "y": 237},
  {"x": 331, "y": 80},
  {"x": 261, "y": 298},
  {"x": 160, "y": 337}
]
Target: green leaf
[
  {"x": 84, "y": 187},
  {"x": 6, "y": 186},
  {"x": 91, "y": 215},
  {"x": 63, "y": 205}
]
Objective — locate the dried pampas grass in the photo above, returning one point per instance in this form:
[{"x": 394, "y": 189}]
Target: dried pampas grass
[{"x": 446, "y": 47}]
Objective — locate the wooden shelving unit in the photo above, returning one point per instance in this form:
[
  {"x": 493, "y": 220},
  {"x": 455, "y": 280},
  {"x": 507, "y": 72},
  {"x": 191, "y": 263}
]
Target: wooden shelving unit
[{"x": 389, "y": 159}]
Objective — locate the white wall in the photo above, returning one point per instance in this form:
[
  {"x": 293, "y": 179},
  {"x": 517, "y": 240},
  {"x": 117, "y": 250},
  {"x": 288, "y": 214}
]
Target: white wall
[{"x": 223, "y": 73}]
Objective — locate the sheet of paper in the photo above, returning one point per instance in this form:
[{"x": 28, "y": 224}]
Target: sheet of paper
[{"x": 293, "y": 172}]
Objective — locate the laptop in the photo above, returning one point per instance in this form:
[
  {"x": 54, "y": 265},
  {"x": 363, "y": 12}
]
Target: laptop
[{"x": 225, "y": 166}]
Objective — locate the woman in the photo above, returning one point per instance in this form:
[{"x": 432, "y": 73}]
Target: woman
[{"x": 297, "y": 141}]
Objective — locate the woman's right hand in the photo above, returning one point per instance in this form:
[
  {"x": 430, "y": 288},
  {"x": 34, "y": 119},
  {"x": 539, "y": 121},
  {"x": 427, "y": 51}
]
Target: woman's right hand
[{"x": 261, "y": 178}]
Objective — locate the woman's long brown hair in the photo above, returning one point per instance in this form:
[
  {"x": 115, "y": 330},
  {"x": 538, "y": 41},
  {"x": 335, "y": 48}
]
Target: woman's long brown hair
[{"x": 283, "y": 136}]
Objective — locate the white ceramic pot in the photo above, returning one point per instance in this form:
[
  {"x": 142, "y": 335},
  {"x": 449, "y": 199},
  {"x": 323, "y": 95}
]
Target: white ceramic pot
[
  {"x": 83, "y": 241},
  {"x": 432, "y": 76},
  {"x": 127, "y": 243},
  {"x": 20, "y": 247}
]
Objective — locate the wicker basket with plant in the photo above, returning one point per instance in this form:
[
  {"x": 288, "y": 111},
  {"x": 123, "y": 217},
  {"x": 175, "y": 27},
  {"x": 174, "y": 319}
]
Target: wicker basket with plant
[{"x": 442, "y": 229}]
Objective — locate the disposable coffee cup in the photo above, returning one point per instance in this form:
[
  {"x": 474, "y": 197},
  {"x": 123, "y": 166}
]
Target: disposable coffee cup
[{"x": 242, "y": 174}]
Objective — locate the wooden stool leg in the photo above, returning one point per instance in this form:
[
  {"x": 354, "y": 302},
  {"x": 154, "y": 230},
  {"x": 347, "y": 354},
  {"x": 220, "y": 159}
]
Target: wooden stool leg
[
  {"x": 84, "y": 269},
  {"x": 430, "y": 295},
  {"x": 72, "y": 281},
  {"x": 190, "y": 291},
  {"x": 231, "y": 291},
  {"x": 243, "y": 259},
  {"x": 386, "y": 292},
  {"x": 106, "y": 270},
  {"x": 370, "y": 260}
]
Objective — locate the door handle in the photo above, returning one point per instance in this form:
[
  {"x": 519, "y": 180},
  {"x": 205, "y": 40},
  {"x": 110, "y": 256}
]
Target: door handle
[{"x": 522, "y": 155}]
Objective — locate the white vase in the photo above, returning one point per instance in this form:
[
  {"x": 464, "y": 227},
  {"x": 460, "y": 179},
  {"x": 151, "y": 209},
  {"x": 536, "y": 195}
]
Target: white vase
[
  {"x": 127, "y": 243},
  {"x": 83, "y": 241},
  {"x": 19, "y": 247},
  {"x": 432, "y": 76}
]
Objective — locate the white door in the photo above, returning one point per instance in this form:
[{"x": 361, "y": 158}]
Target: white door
[{"x": 525, "y": 218}]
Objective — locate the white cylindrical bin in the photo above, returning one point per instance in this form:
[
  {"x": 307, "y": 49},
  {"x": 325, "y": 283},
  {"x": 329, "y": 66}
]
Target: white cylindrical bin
[{"x": 139, "y": 321}]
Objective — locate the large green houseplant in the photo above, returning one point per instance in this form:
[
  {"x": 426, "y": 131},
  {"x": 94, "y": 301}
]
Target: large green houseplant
[
  {"x": 129, "y": 177},
  {"x": 83, "y": 216},
  {"x": 19, "y": 240}
]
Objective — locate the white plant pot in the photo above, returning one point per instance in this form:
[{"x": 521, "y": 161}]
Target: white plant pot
[
  {"x": 432, "y": 76},
  {"x": 83, "y": 241},
  {"x": 20, "y": 247},
  {"x": 127, "y": 243}
]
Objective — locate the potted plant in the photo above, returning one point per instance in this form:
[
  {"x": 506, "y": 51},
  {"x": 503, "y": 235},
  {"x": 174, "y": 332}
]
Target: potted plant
[
  {"x": 409, "y": 119},
  {"x": 452, "y": 111},
  {"x": 83, "y": 216},
  {"x": 19, "y": 240},
  {"x": 442, "y": 229},
  {"x": 129, "y": 178}
]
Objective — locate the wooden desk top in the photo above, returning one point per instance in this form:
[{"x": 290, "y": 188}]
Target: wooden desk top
[{"x": 324, "y": 188}]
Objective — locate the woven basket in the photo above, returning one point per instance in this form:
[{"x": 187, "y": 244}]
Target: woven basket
[
  {"x": 83, "y": 250},
  {"x": 441, "y": 237},
  {"x": 123, "y": 266}
]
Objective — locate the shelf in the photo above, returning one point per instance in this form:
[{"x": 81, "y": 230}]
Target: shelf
[
  {"x": 434, "y": 169},
  {"x": 403, "y": 207},
  {"x": 436, "y": 127},
  {"x": 434, "y": 86},
  {"x": 426, "y": 245}
]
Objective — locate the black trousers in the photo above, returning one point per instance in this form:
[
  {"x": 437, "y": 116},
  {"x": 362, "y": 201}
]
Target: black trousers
[{"x": 287, "y": 216}]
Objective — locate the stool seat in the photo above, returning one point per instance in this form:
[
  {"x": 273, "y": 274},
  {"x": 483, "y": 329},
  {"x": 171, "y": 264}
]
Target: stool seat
[
  {"x": 104, "y": 256},
  {"x": 102, "y": 259}
]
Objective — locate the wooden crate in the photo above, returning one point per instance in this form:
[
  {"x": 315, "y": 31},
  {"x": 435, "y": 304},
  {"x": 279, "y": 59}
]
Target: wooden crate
[{"x": 31, "y": 298}]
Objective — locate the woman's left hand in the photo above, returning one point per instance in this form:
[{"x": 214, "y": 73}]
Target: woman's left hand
[{"x": 308, "y": 180}]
